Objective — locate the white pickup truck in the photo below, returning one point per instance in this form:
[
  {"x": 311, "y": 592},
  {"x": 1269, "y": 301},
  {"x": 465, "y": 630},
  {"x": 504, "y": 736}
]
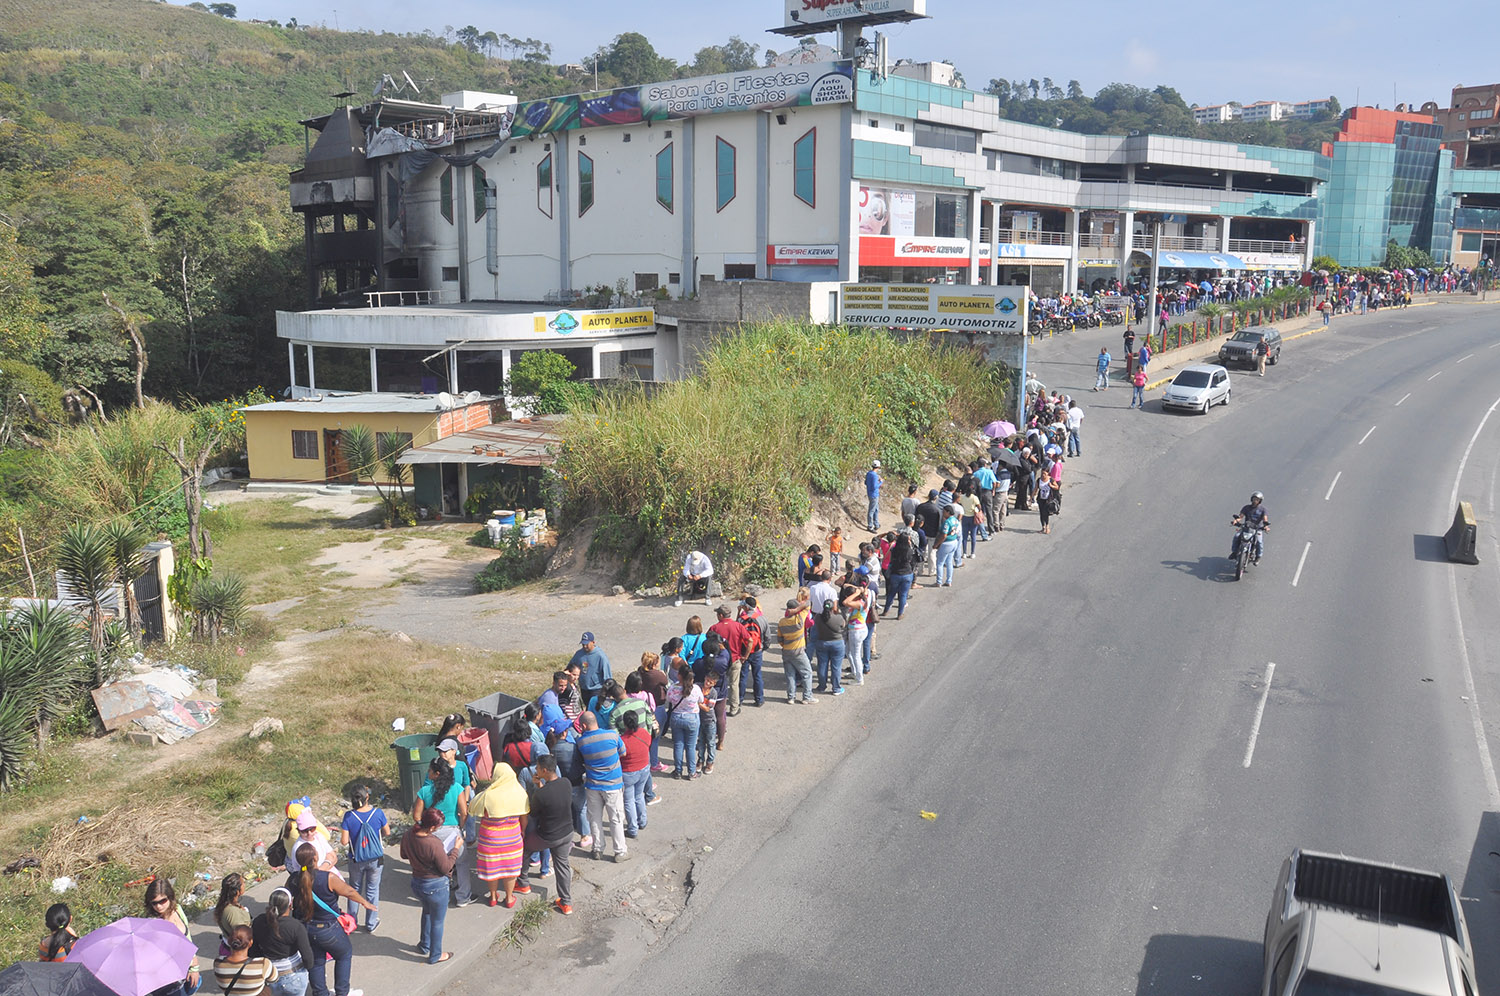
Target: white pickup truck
[{"x": 1347, "y": 927}]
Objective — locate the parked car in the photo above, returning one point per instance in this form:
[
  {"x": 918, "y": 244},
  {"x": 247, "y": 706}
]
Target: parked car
[
  {"x": 1198, "y": 388},
  {"x": 1240, "y": 347}
]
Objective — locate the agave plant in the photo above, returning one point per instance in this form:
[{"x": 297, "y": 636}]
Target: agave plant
[
  {"x": 218, "y": 603},
  {"x": 44, "y": 668},
  {"x": 86, "y": 558},
  {"x": 127, "y": 544}
]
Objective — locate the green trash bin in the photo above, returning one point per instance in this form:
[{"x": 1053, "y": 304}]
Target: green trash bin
[{"x": 414, "y": 752}]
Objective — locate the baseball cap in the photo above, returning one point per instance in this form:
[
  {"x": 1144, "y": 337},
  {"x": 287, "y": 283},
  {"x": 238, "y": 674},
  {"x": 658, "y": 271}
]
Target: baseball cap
[
  {"x": 874, "y": 463},
  {"x": 791, "y": 603},
  {"x": 585, "y": 639},
  {"x": 448, "y": 744},
  {"x": 306, "y": 820},
  {"x": 933, "y": 493}
]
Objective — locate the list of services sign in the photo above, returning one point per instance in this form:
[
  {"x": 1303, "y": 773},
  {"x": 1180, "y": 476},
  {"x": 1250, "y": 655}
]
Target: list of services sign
[{"x": 997, "y": 310}]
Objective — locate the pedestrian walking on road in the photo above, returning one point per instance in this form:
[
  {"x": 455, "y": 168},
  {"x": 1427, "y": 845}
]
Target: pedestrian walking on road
[
  {"x": 1075, "y": 422},
  {"x": 1262, "y": 352},
  {"x": 1143, "y": 358},
  {"x": 1101, "y": 383},
  {"x": 1138, "y": 390}
]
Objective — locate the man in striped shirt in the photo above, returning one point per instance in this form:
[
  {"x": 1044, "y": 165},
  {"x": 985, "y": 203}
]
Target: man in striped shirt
[{"x": 604, "y": 783}]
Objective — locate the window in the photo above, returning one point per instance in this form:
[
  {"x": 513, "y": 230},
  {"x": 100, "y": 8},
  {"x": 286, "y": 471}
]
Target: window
[
  {"x": 477, "y": 176},
  {"x": 544, "y": 185},
  {"x": 804, "y": 168},
  {"x": 900, "y": 126},
  {"x": 388, "y": 443},
  {"x": 1471, "y": 242},
  {"x": 450, "y": 274},
  {"x": 724, "y": 191},
  {"x": 304, "y": 444},
  {"x": 647, "y": 281},
  {"x": 739, "y": 271},
  {"x": 936, "y": 136},
  {"x": 874, "y": 123},
  {"x": 1474, "y": 115},
  {"x": 627, "y": 136},
  {"x": 585, "y": 184},
  {"x": 664, "y": 177},
  {"x": 392, "y": 200},
  {"x": 445, "y": 195},
  {"x": 674, "y": 278}
]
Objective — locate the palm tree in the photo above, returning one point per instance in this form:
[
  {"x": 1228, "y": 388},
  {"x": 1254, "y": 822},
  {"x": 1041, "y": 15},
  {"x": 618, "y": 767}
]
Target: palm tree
[
  {"x": 85, "y": 557},
  {"x": 126, "y": 545}
]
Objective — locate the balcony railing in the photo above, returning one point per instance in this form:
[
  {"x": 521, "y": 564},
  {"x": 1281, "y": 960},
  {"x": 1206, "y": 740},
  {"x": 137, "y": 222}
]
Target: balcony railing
[
  {"x": 1268, "y": 245},
  {"x": 1098, "y": 240},
  {"x": 1185, "y": 243},
  {"x": 398, "y": 298},
  {"x": 1029, "y": 237}
]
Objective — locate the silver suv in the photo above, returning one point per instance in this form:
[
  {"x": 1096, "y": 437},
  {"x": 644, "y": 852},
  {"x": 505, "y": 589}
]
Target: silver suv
[{"x": 1240, "y": 347}]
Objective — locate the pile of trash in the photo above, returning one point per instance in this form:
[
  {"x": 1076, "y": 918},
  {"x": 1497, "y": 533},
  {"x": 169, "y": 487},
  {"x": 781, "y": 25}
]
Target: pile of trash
[{"x": 166, "y": 701}]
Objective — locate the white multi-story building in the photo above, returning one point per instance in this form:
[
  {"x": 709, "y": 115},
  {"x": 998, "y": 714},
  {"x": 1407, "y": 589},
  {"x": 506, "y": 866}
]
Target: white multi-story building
[
  {"x": 444, "y": 240},
  {"x": 1264, "y": 110},
  {"x": 1307, "y": 108},
  {"x": 1215, "y": 114}
]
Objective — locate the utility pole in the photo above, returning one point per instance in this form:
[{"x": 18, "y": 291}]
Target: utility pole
[{"x": 1155, "y": 269}]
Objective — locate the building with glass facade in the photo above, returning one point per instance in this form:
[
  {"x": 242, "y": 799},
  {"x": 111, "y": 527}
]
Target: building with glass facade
[{"x": 1389, "y": 179}]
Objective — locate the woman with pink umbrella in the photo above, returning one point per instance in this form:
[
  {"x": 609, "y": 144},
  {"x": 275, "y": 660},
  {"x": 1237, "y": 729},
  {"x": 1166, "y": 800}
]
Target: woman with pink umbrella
[{"x": 137, "y": 956}]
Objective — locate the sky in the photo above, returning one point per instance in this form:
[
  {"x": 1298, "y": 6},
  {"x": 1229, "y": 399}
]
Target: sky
[{"x": 1380, "y": 52}]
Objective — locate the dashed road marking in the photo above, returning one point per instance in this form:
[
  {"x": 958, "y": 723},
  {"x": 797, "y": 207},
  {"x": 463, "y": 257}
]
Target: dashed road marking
[
  {"x": 1300, "y": 561},
  {"x": 1333, "y": 485},
  {"x": 1365, "y": 436},
  {"x": 1408, "y": 394},
  {"x": 1260, "y": 711}
]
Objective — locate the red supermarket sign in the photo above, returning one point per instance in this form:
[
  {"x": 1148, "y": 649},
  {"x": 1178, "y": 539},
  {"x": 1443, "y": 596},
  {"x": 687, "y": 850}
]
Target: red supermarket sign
[
  {"x": 886, "y": 250},
  {"x": 815, "y": 255}
]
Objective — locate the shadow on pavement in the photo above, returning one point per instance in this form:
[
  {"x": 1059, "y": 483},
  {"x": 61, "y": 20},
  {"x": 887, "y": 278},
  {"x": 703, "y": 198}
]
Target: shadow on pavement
[
  {"x": 1182, "y": 963},
  {"x": 1480, "y": 890},
  {"x": 1432, "y": 549},
  {"x": 1204, "y": 568}
]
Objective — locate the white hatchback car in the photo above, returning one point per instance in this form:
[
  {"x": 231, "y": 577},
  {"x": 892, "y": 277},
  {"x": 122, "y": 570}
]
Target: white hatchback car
[{"x": 1198, "y": 388}]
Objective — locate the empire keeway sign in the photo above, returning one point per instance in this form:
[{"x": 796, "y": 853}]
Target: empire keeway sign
[
  {"x": 899, "y": 250},
  {"x": 813, "y": 255}
]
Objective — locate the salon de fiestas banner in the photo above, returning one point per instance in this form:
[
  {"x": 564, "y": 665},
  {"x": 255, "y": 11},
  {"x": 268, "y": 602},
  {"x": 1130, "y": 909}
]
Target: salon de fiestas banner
[{"x": 752, "y": 89}]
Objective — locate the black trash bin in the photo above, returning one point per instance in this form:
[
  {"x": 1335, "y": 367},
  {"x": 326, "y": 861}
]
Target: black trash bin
[
  {"x": 492, "y": 714},
  {"x": 414, "y": 752}
]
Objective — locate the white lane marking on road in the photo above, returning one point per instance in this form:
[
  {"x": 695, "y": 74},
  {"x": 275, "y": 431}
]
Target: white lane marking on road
[
  {"x": 1462, "y": 358},
  {"x": 1300, "y": 561},
  {"x": 1403, "y": 398},
  {"x": 1365, "y": 436},
  {"x": 1260, "y": 710},
  {"x": 1480, "y": 738},
  {"x": 1335, "y": 483},
  {"x": 1494, "y": 344},
  {"x": 1436, "y": 375}
]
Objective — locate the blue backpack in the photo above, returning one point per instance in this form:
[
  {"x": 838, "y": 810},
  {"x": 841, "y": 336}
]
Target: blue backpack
[{"x": 365, "y": 845}]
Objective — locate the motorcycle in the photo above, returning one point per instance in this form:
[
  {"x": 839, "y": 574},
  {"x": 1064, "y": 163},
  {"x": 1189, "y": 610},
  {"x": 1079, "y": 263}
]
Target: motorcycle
[{"x": 1245, "y": 543}]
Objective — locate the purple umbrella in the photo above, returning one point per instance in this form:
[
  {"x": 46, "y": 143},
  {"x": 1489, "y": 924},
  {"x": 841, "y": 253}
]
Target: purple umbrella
[
  {"x": 134, "y": 955},
  {"x": 999, "y": 430}
]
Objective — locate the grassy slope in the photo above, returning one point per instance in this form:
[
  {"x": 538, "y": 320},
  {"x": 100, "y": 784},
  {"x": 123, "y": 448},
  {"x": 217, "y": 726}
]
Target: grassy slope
[{"x": 129, "y": 63}]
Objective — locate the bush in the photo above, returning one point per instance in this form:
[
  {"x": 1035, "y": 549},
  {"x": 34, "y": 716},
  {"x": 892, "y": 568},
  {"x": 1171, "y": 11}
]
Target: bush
[
  {"x": 517, "y": 564},
  {"x": 537, "y": 370},
  {"x": 727, "y": 459},
  {"x": 769, "y": 565}
]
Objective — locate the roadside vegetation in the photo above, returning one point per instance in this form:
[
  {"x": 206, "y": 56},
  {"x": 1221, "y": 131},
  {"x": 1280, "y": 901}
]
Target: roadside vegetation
[{"x": 730, "y": 460}]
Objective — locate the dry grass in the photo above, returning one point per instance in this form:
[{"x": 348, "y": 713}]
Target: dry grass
[{"x": 138, "y": 835}]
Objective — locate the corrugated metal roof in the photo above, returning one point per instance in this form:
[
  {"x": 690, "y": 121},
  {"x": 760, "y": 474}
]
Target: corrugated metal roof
[
  {"x": 370, "y": 402},
  {"x": 531, "y": 443}
]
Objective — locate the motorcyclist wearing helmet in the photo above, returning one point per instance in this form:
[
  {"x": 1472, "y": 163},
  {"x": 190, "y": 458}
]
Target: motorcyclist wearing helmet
[{"x": 1255, "y": 513}]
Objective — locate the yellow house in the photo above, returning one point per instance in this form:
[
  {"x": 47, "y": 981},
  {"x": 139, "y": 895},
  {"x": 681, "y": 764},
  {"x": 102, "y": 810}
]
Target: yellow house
[{"x": 300, "y": 440}]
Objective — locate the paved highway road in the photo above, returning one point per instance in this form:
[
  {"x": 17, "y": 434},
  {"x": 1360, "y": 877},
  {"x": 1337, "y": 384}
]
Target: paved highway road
[{"x": 1114, "y": 781}]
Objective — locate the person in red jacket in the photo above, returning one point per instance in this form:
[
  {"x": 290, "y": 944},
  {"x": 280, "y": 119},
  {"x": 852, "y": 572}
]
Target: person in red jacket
[{"x": 731, "y": 633}]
